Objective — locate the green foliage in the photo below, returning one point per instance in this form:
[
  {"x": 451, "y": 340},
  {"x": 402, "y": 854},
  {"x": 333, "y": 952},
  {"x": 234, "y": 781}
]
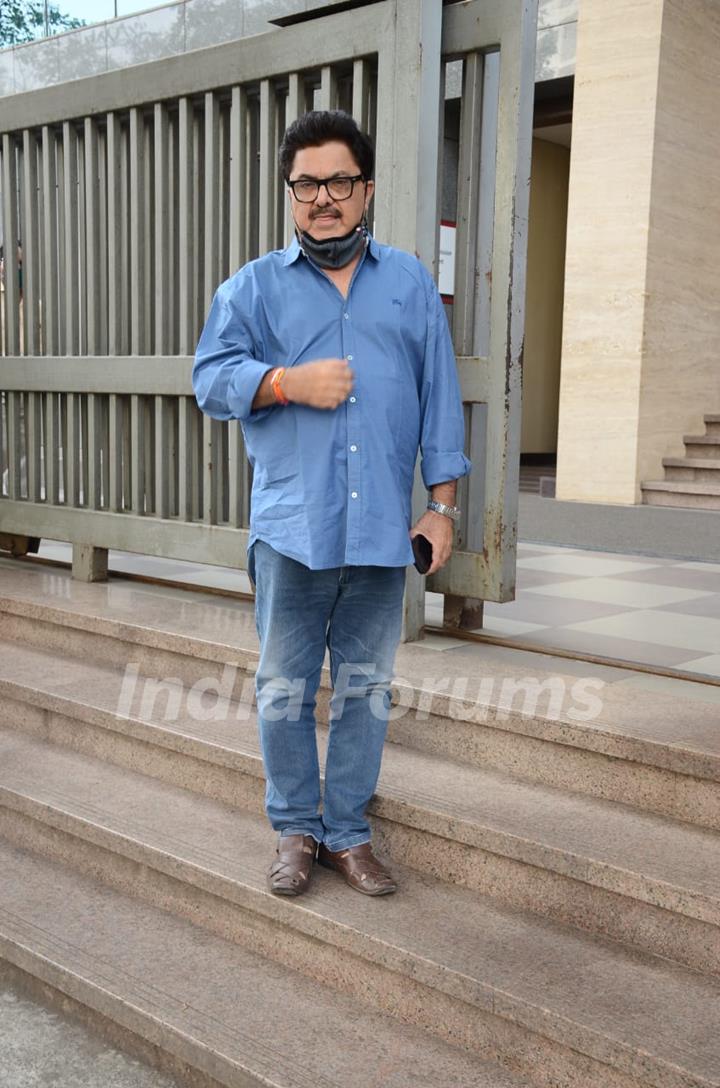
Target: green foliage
[{"x": 24, "y": 21}]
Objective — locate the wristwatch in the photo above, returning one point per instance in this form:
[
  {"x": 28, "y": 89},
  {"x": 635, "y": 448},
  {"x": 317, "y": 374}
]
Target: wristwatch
[{"x": 440, "y": 508}]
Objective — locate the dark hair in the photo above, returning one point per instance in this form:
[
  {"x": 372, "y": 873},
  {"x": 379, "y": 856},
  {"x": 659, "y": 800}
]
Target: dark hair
[{"x": 319, "y": 127}]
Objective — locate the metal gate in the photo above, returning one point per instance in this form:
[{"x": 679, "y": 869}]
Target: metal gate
[{"x": 136, "y": 193}]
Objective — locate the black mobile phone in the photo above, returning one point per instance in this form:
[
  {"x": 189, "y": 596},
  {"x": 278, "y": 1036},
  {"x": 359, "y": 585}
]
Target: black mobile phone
[{"x": 422, "y": 550}]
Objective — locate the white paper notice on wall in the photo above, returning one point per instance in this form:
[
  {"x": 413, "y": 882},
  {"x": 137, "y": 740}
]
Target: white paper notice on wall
[{"x": 446, "y": 263}]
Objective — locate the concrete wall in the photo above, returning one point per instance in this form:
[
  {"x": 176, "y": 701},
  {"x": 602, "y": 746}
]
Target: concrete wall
[
  {"x": 611, "y": 169},
  {"x": 134, "y": 39},
  {"x": 681, "y": 350},
  {"x": 194, "y": 24},
  {"x": 544, "y": 297},
  {"x": 641, "y": 340}
]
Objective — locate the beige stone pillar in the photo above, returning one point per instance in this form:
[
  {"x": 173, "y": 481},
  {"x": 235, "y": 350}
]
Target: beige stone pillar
[{"x": 641, "y": 326}]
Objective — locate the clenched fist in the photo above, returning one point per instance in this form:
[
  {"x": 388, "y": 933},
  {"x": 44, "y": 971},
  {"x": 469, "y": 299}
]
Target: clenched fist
[{"x": 324, "y": 383}]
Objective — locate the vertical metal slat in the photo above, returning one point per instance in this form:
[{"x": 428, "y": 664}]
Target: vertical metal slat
[
  {"x": 50, "y": 447},
  {"x": 360, "y": 93},
  {"x": 31, "y": 248},
  {"x": 292, "y": 112},
  {"x": 72, "y": 450},
  {"x": 137, "y": 233},
  {"x": 148, "y": 239},
  {"x": 102, "y": 285},
  {"x": 163, "y": 458},
  {"x": 163, "y": 256},
  {"x": 185, "y": 408},
  {"x": 137, "y": 446},
  {"x": 114, "y": 235},
  {"x": 94, "y": 445},
  {"x": 70, "y": 231},
  {"x": 13, "y": 440},
  {"x": 186, "y": 256},
  {"x": 267, "y": 166},
  {"x": 115, "y": 428},
  {"x": 211, "y": 469},
  {"x": 33, "y": 432},
  {"x": 327, "y": 95},
  {"x": 51, "y": 277},
  {"x": 92, "y": 237},
  {"x": 10, "y": 240},
  {"x": 238, "y": 178},
  {"x": 236, "y": 453},
  {"x": 211, "y": 188}
]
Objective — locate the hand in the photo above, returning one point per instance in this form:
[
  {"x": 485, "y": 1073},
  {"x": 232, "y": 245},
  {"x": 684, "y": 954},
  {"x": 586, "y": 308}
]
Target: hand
[
  {"x": 439, "y": 530},
  {"x": 325, "y": 383}
]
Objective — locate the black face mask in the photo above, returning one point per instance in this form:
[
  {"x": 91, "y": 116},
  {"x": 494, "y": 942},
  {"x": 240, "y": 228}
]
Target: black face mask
[{"x": 334, "y": 253}]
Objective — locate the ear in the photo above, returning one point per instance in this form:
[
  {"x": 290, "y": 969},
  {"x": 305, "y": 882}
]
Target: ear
[{"x": 369, "y": 190}]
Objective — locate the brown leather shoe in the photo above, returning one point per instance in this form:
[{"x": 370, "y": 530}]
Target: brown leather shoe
[
  {"x": 359, "y": 867},
  {"x": 291, "y": 870}
]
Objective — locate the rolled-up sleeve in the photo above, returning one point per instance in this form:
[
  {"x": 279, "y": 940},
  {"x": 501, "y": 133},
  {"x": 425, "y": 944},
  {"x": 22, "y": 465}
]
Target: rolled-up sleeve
[
  {"x": 226, "y": 374},
  {"x": 442, "y": 431}
]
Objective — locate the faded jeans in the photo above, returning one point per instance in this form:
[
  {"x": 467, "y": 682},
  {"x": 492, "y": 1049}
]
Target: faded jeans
[{"x": 356, "y": 612}]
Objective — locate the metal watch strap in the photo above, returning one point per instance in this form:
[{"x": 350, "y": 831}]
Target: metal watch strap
[{"x": 440, "y": 508}]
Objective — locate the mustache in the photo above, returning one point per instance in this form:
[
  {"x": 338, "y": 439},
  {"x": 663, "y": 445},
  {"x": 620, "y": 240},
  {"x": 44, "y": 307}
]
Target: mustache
[{"x": 326, "y": 211}]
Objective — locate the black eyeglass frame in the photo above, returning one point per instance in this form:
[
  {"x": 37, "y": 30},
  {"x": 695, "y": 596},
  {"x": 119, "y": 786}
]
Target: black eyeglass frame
[{"x": 319, "y": 182}]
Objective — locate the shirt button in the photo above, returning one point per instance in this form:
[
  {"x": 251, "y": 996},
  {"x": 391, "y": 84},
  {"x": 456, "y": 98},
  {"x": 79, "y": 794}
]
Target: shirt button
[
  {"x": 353, "y": 399},
  {"x": 354, "y": 449},
  {"x": 349, "y": 358},
  {"x": 353, "y": 494},
  {"x": 346, "y": 316}
]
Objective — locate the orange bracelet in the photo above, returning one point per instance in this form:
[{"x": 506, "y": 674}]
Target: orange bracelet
[{"x": 275, "y": 380}]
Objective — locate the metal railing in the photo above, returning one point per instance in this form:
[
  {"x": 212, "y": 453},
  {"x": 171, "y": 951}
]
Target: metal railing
[{"x": 135, "y": 193}]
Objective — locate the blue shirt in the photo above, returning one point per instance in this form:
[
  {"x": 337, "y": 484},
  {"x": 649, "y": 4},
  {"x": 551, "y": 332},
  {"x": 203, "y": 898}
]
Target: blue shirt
[{"x": 333, "y": 488}]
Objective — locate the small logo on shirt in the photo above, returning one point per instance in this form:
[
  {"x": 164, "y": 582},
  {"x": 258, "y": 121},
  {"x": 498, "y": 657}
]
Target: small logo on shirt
[{"x": 396, "y": 302}]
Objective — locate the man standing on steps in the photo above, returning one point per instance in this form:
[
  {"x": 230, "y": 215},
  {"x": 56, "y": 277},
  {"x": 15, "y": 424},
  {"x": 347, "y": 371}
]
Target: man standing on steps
[{"x": 335, "y": 355}]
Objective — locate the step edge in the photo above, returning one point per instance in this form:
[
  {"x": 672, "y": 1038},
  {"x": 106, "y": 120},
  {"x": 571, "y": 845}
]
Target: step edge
[
  {"x": 564, "y": 732},
  {"x": 486, "y": 996},
  {"x": 682, "y": 487},
  {"x": 411, "y": 811},
  {"x": 95, "y": 993}
]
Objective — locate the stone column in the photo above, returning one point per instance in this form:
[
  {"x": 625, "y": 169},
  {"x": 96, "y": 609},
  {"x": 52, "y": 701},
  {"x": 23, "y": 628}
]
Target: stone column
[{"x": 641, "y": 326}]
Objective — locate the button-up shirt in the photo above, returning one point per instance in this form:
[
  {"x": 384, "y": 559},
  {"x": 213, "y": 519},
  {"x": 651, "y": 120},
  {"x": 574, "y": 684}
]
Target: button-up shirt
[{"x": 333, "y": 488}]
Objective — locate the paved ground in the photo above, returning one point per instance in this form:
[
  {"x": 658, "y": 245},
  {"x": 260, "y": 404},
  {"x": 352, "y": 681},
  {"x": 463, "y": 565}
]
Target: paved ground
[
  {"x": 642, "y": 609},
  {"x": 654, "y": 611},
  {"x": 646, "y": 530},
  {"x": 40, "y": 1048}
]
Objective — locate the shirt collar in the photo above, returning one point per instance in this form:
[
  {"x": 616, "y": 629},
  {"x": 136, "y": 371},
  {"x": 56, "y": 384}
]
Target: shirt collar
[{"x": 293, "y": 251}]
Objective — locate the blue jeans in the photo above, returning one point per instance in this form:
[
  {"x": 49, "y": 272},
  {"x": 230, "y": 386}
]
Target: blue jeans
[{"x": 357, "y": 613}]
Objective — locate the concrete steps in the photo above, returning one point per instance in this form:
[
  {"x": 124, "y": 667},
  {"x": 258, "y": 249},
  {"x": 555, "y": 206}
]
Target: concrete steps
[
  {"x": 661, "y": 754},
  {"x": 702, "y": 445},
  {"x": 611, "y": 869},
  {"x": 608, "y": 868},
  {"x": 696, "y": 496},
  {"x": 692, "y": 481},
  {"x": 712, "y": 426},
  {"x": 498, "y": 982},
  {"x": 695, "y": 469},
  {"x": 559, "y": 905},
  {"x": 201, "y": 1006}
]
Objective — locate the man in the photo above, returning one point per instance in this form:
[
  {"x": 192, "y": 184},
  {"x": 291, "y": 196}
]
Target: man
[{"x": 335, "y": 356}]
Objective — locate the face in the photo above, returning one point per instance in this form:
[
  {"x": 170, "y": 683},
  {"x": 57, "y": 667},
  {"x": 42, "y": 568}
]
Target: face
[{"x": 325, "y": 217}]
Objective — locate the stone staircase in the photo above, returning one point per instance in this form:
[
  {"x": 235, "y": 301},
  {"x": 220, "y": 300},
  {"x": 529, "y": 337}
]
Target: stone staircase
[
  {"x": 692, "y": 480},
  {"x": 558, "y": 918}
]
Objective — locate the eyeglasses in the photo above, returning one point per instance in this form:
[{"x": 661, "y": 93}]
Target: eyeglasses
[{"x": 306, "y": 190}]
